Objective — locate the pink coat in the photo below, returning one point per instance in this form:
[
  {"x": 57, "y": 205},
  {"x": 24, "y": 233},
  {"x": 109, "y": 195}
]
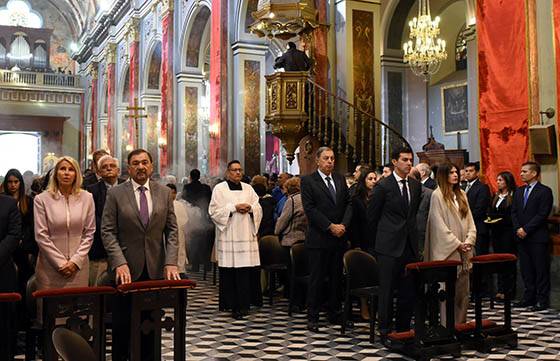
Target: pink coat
[{"x": 64, "y": 232}]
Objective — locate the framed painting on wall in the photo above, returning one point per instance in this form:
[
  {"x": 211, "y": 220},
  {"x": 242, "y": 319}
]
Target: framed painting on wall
[{"x": 454, "y": 108}]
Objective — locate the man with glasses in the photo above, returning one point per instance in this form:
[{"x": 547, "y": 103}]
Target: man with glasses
[
  {"x": 236, "y": 212},
  {"x": 139, "y": 232}
]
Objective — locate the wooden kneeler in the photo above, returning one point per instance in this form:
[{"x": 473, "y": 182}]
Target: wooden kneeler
[
  {"x": 82, "y": 308},
  {"x": 482, "y": 335},
  {"x": 430, "y": 338},
  {"x": 152, "y": 297},
  {"x": 7, "y": 301}
]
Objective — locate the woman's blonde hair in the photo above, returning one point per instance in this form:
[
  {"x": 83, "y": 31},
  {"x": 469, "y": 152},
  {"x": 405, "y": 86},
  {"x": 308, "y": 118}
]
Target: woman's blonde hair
[
  {"x": 54, "y": 187},
  {"x": 293, "y": 185},
  {"x": 451, "y": 191}
]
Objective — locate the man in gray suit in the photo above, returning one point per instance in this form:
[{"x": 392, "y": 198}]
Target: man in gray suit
[{"x": 139, "y": 232}]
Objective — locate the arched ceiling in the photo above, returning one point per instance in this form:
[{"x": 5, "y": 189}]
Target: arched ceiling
[{"x": 76, "y": 13}]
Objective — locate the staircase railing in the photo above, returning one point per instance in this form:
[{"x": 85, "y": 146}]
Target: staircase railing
[{"x": 344, "y": 127}]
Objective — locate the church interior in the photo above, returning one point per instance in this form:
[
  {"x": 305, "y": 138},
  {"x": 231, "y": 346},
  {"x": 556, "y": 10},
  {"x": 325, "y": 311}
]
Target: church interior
[{"x": 194, "y": 83}]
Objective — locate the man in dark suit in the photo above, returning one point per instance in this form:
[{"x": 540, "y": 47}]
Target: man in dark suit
[
  {"x": 531, "y": 207},
  {"x": 392, "y": 214},
  {"x": 326, "y": 202},
  {"x": 425, "y": 176},
  {"x": 196, "y": 193},
  {"x": 91, "y": 175},
  {"x": 108, "y": 169},
  {"x": 139, "y": 232},
  {"x": 10, "y": 236},
  {"x": 478, "y": 195},
  {"x": 293, "y": 59}
]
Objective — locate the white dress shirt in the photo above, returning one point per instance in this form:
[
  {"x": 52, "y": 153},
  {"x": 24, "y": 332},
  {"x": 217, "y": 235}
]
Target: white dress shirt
[
  {"x": 135, "y": 186},
  {"x": 399, "y": 179},
  {"x": 324, "y": 176}
]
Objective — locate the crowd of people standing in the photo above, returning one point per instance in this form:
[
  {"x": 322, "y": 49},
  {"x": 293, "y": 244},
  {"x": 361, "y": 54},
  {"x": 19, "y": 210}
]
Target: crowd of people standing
[{"x": 72, "y": 230}]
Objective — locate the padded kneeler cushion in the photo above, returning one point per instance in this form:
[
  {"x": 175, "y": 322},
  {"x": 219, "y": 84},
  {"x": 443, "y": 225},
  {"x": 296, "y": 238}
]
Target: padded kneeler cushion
[
  {"x": 401, "y": 336},
  {"x": 431, "y": 265},
  {"x": 155, "y": 285},
  {"x": 470, "y": 326},
  {"x": 10, "y": 297},
  {"x": 74, "y": 291},
  {"x": 494, "y": 257}
]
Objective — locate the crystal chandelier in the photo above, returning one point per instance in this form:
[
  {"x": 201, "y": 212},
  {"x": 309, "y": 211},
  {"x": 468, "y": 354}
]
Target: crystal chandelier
[{"x": 424, "y": 52}]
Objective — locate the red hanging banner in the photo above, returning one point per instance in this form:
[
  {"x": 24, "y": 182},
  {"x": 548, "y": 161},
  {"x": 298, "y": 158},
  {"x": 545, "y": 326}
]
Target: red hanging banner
[
  {"x": 111, "y": 85},
  {"x": 503, "y": 87}
]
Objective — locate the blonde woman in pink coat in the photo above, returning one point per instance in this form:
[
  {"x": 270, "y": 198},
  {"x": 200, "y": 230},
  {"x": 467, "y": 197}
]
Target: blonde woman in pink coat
[{"x": 64, "y": 227}]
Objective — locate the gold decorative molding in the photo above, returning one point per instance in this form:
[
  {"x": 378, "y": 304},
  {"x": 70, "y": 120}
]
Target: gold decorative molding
[
  {"x": 93, "y": 70},
  {"x": 133, "y": 30},
  {"x": 167, "y": 6},
  {"x": 111, "y": 53}
]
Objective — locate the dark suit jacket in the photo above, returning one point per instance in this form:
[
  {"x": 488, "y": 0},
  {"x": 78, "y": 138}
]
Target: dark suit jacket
[
  {"x": 430, "y": 183},
  {"x": 197, "y": 194},
  {"x": 321, "y": 211},
  {"x": 532, "y": 218},
  {"x": 99, "y": 193},
  {"x": 293, "y": 60},
  {"x": 10, "y": 236},
  {"x": 127, "y": 240},
  {"x": 394, "y": 225},
  {"x": 479, "y": 200},
  {"x": 89, "y": 180}
]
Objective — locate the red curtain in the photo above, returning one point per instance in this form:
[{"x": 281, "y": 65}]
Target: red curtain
[
  {"x": 503, "y": 87},
  {"x": 166, "y": 90},
  {"x": 556, "y": 14}
]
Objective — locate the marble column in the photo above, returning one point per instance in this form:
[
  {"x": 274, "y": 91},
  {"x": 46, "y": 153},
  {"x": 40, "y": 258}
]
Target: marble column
[
  {"x": 133, "y": 37},
  {"x": 249, "y": 84},
  {"x": 472, "y": 93},
  {"x": 94, "y": 74},
  {"x": 110, "y": 58},
  {"x": 166, "y": 132},
  {"x": 219, "y": 46}
]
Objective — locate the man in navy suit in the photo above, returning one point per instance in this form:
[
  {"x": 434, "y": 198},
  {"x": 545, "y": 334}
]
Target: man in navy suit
[
  {"x": 392, "y": 213},
  {"x": 531, "y": 207},
  {"x": 326, "y": 201}
]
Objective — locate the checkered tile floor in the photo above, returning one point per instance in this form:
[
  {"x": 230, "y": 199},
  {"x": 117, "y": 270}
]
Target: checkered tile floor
[{"x": 270, "y": 334}]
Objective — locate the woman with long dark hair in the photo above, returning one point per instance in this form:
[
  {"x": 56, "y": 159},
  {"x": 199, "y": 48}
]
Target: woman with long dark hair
[
  {"x": 359, "y": 231},
  {"x": 26, "y": 253},
  {"x": 451, "y": 232},
  {"x": 502, "y": 233}
]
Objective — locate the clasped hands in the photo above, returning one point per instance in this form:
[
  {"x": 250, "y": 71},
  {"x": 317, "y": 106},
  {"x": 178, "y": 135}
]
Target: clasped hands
[
  {"x": 170, "y": 272},
  {"x": 243, "y": 208},
  {"x": 521, "y": 233},
  {"x": 68, "y": 269},
  {"x": 464, "y": 247},
  {"x": 337, "y": 230}
]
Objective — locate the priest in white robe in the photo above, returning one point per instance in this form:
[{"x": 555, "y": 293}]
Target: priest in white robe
[{"x": 235, "y": 210}]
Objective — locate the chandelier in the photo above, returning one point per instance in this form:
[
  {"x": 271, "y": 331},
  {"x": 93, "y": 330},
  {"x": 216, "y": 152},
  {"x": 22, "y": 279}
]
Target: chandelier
[{"x": 424, "y": 52}]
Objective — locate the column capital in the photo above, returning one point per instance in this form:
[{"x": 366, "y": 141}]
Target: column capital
[
  {"x": 167, "y": 6},
  {"x": 92, "y": 70},
  {"x": 111, "y": 53},
  {"x": 133, "y": 30}
]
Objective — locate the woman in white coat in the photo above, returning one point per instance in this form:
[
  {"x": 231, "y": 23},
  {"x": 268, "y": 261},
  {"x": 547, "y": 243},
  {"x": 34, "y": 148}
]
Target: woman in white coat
[{"x": 451, "y": 232}]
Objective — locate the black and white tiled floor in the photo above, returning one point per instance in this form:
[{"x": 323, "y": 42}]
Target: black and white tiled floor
[{"x": 270, "y": 334}]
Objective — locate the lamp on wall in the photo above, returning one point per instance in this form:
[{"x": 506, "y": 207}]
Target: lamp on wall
[
  {"x": 214, "y": 130},
  {"x": 425, "y": 51}
]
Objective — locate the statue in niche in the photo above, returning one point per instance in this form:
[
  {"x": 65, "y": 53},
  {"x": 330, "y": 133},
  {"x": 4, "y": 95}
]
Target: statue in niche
[{"x": 272, "y": 165}]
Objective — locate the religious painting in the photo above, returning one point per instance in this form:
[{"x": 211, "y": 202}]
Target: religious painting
[
  {"x": 155, "y": 68},
  {"x": 152, "y": 133},
  {"x": 125, "y": 141},
  {"x": 252, "y": 6},
  {"x": 126, "y": 87},
  {"x": 191, "y": 127},
  {"x": 454, "y": 106},
  {"x": 252, "y": 116},
  {"x": 195, "y": 38},
  {"x": 363, "y": 74},
  {"x": 395, "y": 106}
]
